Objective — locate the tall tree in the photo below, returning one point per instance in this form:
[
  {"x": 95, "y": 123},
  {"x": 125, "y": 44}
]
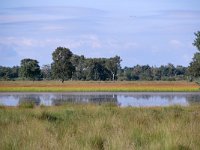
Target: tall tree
[
  {"x": 197, "y": 40},
  {"x": 62, "y": 67},
  {"x": 113, "y": 65},
  {"x": 80, "y": 65},
  {"x": 30, "y": 69},
  {"x": 194, "y": 68}
]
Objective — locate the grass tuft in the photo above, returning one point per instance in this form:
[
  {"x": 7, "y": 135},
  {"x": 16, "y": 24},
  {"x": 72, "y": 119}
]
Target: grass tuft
[
  {"x": 49, "y": 116},
  {"x": 97, "y": 143},
  {"x": 2, "y": 106},
  {"x": 26, "y": 104}
]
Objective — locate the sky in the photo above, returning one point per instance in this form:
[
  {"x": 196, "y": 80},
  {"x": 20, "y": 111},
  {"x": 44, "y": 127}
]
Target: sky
[{"x": 153, "y": 32}]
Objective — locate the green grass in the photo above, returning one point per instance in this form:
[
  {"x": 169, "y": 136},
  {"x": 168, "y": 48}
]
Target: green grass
[
  {"x": 26, "y": 105},
  {"x": 99, "y": 127}
]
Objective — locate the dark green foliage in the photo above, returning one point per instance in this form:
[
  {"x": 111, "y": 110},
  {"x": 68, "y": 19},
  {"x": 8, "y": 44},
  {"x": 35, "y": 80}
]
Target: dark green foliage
[
  {"x": 80, "y": 65},
  {"x": 95, "y": 68},
  {"x": 145, "y": 72},
  {"x": 30, "y": 69},
  {"x": 197, "y": 40},
  {"x": 9, "y": 73},
  {"x": 62, "y": 67},
  {"x": 194, "y": 68}
]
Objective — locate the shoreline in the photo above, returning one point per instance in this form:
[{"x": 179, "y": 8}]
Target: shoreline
[{"x": 99, "y": 86}]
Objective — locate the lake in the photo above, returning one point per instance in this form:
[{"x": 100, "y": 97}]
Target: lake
[{"x": 122, "y": 99}]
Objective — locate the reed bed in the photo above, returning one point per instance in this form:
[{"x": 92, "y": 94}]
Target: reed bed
[
  {"x": 89, "y": 86},
  {"x": 99, "y": 127}
]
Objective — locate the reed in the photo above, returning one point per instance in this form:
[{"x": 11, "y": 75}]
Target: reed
[{"x": 90, "y": 126}]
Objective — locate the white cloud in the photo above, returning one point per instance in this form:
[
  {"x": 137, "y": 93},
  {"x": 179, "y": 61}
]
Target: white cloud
[
  {"x": 176, "y": 43},
  {"x": 18, "y": 41},
  {"x": 91, "y": 41}
]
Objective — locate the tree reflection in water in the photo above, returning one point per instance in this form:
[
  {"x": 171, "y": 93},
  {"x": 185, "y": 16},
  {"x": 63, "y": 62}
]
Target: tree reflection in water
[
  {"x": 90, "y": 98},
  {"x": 123, "y": 99},
  {"x": 35, "y": 99}
]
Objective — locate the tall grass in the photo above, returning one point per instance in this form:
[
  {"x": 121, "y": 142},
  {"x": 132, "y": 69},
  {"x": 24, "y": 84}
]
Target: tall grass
[{"x": 100, "y": 127}]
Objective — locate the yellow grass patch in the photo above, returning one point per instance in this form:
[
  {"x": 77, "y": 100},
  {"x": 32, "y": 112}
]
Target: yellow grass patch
[{"x": 91, "y": 86}]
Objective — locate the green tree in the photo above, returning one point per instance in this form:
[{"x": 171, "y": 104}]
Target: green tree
[
  {"x": 46, "y": 72},
  {"x": 194, "y": 68},
  {"x": 5, "y": 73},
  {"x": 80, "y": 65},
  {"x": 30, "y": 69},
  {"x": 113, "y": 65},
  {"x": 62, "y": 67},
  {"x": 8, "y": 73},
  {"x": 14, "y": 72},
  {"x": 129, "y": 74},
  {"x": 197, "y": 40}
]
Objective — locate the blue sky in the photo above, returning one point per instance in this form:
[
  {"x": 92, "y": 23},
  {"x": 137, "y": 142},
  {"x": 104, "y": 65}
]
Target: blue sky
[{"x": 155, "y": 32}]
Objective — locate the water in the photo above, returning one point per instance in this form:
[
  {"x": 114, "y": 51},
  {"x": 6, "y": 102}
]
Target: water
[{"x": 124, "y": 99}]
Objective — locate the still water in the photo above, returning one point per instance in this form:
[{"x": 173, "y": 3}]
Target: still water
[{"x": 124, "y": 99}]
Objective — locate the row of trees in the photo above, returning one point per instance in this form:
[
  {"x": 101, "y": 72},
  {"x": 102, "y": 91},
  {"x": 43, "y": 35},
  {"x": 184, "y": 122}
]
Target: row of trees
[
  {"x": 9, "y": 73},
  {"x": 81, "y": 68},
  {"x": 68, "y": 66},
  {"x": 145, "y": 72},
  {"x": 65, "y": 66},
  {"x": 93, "y": 69}
]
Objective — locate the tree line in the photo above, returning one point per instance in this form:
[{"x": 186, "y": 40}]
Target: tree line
[
  {"x": 69, "y": 66},
  {"x": 65, "y": 66},
  {"x": 167, "y": 72}
]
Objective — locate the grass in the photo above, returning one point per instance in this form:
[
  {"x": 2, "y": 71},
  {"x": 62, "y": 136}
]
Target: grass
[
  {"x": 26, "y": 104},
  {"x": 100, "y": 127},
  {"x": 98, "y": 86}
]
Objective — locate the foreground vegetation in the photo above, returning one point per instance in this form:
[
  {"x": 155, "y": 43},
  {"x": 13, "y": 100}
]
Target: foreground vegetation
[
  {"x": 99, "y": 127},
  {"x": 92, "y": 86}
]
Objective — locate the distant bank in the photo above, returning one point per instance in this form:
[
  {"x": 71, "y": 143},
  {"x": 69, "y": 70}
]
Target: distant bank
[{"x": 98, "y": 86}]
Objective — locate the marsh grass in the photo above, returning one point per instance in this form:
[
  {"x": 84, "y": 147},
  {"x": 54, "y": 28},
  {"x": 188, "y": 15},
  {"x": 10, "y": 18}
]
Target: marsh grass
[
  {"x": 100, "y": 127},
  {"x": 2, "y": 106},
  {"x": 99, "y": 86},
  {"x": 26, "y": 104}
]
